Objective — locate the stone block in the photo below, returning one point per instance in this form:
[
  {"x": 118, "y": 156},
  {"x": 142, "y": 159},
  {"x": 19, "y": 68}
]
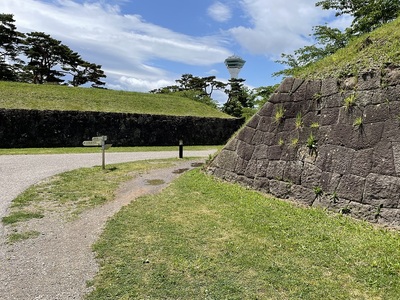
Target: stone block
[
  {"x": 261, "y": 152},
  {"x": 351, "y": 187},
  {"x": 390, "y": 217},
  {"x": 265, "y": 124},
  {"x": 296, "y": 85},
  {"x": 329, "y": 116},
  {"x": 391, "y": 77},
  {"x": 225, "y": 160},
  {"x": 293, "y": 171},
  {"x": 391, "y": 93},
  {"x": 369, "y": 80},
  {"x": 232, "y": 144},
  {"x": 313, "y": 90},
  {"x": 301, "y": 194},
  {"x": 329, "y": 87},
  {"x": 262, "y": 185},
  {"x": 362, "y": 211},
  {"x": 279, "y": 188},
  {"x": 367, "y": 136},
  {"x": 286, "y": 85},
  {"x": 338, "y": 159},
  {"x": 311, "y": 176},
  {"x": 266, "y": 110},
  {"x": 245, "y": 150},
  {"x": 333, "y": 101},
  {"x": 251, "y": 169},
  {"x": 280, "y": 98},
  {"x": 275, "y": 152},
  {"x": 383, "y": 159},
  {"x": 275, "y": 170},
  {"x": 241, "y": 166},
  {"x": 361, "y": 164},
  {"x": 253, "y": 123},
  {"x": 376, "y": 113},
  {"x": 300, "y": 94},
  {"x": 382, "y": 190},
  {"x": 329, "y": 182},
  {"x": 246, "y": 135}
]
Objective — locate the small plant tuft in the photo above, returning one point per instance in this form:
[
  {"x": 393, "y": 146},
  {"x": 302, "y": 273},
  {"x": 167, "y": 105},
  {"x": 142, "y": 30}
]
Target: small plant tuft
[
  {"x": 350, "y": 102},
  {"x": 314, "y": 125},
  {"x": 279, "y": 114},
  {"x": 281, "y": 142},
  {"x": 18, "y": 237},
  {"x": 378, "y": 211},
  {"x": 318, "y": 191},
  {"x": 294, "y": 142},
  {"x": 334, "y": 197},
  {"x": 20, "y": 216},
  {"x": 358, "y": 122},
  {"x": 317, "y": 96},
  {"x": 312, "y": 144},
  {"x": 299, "y": 121},
  {"x": 345, "y": 210}
]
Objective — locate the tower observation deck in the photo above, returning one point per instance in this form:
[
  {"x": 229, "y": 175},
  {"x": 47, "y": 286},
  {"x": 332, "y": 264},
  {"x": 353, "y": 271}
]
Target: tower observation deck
[{"x": 234, "y": 64}]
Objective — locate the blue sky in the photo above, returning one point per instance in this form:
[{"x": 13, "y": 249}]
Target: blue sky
[{"x": 146, "y": 44}]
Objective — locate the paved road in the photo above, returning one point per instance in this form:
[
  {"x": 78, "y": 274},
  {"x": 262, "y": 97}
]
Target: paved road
[{"x": 18, "y": 172}]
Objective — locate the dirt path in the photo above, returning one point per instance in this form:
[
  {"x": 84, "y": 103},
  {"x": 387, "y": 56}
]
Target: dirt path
[{"x": 58, "y": 263}]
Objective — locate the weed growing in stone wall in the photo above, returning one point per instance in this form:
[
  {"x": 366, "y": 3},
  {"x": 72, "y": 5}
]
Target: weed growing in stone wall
[
  {"x": 279, "y": 113},
  {"x": 318, "y": 191},
  {"x": 334, "y": 197},
  {"x": 294, "y": 142},
  {"x": 312, "y": 144},
  {"x": 299, "y": 121},
  {"x": 350, "y": 102},
  {"x": 358, "y": 122},
  {"x": 314, "y": 125},
  {"x": 281, "y": 142},
  {"x": 346, "y": 210},
  {"x": 317, "y": 97}
]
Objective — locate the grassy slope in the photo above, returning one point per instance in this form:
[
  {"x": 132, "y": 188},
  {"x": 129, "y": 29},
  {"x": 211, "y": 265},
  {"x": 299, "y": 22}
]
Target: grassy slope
[
  {"x": 359, "y": 55},
  {"x": 51, "y": 97}
]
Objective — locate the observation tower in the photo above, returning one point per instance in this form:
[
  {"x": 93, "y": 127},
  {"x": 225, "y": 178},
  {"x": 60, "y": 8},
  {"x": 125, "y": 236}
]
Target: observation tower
[{"x": 234, "y": 64}]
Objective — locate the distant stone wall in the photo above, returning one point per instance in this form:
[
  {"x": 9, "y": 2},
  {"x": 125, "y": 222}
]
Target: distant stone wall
[
  {"x": 331, "y": 143},
  {"x": 35, "y": 128}
]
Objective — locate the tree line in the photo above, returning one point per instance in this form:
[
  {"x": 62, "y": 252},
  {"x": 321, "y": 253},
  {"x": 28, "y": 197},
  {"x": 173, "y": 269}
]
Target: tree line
[
  {"x": 242, "y": 102},
  {"x": 38, "y": 58},
  {"x": 367, "y": 16}
]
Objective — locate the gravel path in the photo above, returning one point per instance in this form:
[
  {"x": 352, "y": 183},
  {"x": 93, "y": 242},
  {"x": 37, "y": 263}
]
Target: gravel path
[{"x": 57, "y": 264}]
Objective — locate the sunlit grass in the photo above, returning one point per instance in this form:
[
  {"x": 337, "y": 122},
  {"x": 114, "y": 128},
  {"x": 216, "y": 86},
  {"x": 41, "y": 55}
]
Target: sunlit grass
[
  {"x": 71, "y": 150},
  {"x": 383, "y": 47},
  {"x": 52, "y": 97},
  {"x": 206, "y": 239}
]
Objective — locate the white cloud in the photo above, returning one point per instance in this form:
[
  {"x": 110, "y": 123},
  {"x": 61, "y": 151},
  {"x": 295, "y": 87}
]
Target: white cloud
[
  {"x": 219, "y": 12},
  {"x": 133, "y": 52},
  {"x": 277, "y": 26},
  {"x": 141, "y": 85},
  {"x": 124, "y": 42}
]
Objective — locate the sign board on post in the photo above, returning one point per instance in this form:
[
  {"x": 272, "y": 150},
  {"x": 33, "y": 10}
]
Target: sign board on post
[{"x": 99, "y": 141}]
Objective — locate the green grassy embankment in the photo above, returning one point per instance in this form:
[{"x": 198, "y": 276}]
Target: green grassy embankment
[
  {"x": 369, "y": 51},
  {"x": 54, "y": 97}
]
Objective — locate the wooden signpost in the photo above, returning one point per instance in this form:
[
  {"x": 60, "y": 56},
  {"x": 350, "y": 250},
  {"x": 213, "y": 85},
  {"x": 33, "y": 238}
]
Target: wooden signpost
[{"x": 99, "y": 141}]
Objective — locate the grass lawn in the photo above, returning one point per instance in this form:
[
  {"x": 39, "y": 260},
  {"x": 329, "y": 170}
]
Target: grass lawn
[
  {"x": 205, "y": 239},
  {"x": 71, "y": 150},
  {"x": 76, "y": 191},
  {"x": 15, "y": 95}
]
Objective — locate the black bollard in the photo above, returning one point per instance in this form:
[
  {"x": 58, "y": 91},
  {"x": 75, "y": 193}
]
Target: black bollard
[{"x": 180, "y": 148}]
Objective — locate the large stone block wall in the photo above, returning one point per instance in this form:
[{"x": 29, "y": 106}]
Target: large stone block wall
[
  {"x": 322, "y": 151},
  {"x": 35, "y": 128}
]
